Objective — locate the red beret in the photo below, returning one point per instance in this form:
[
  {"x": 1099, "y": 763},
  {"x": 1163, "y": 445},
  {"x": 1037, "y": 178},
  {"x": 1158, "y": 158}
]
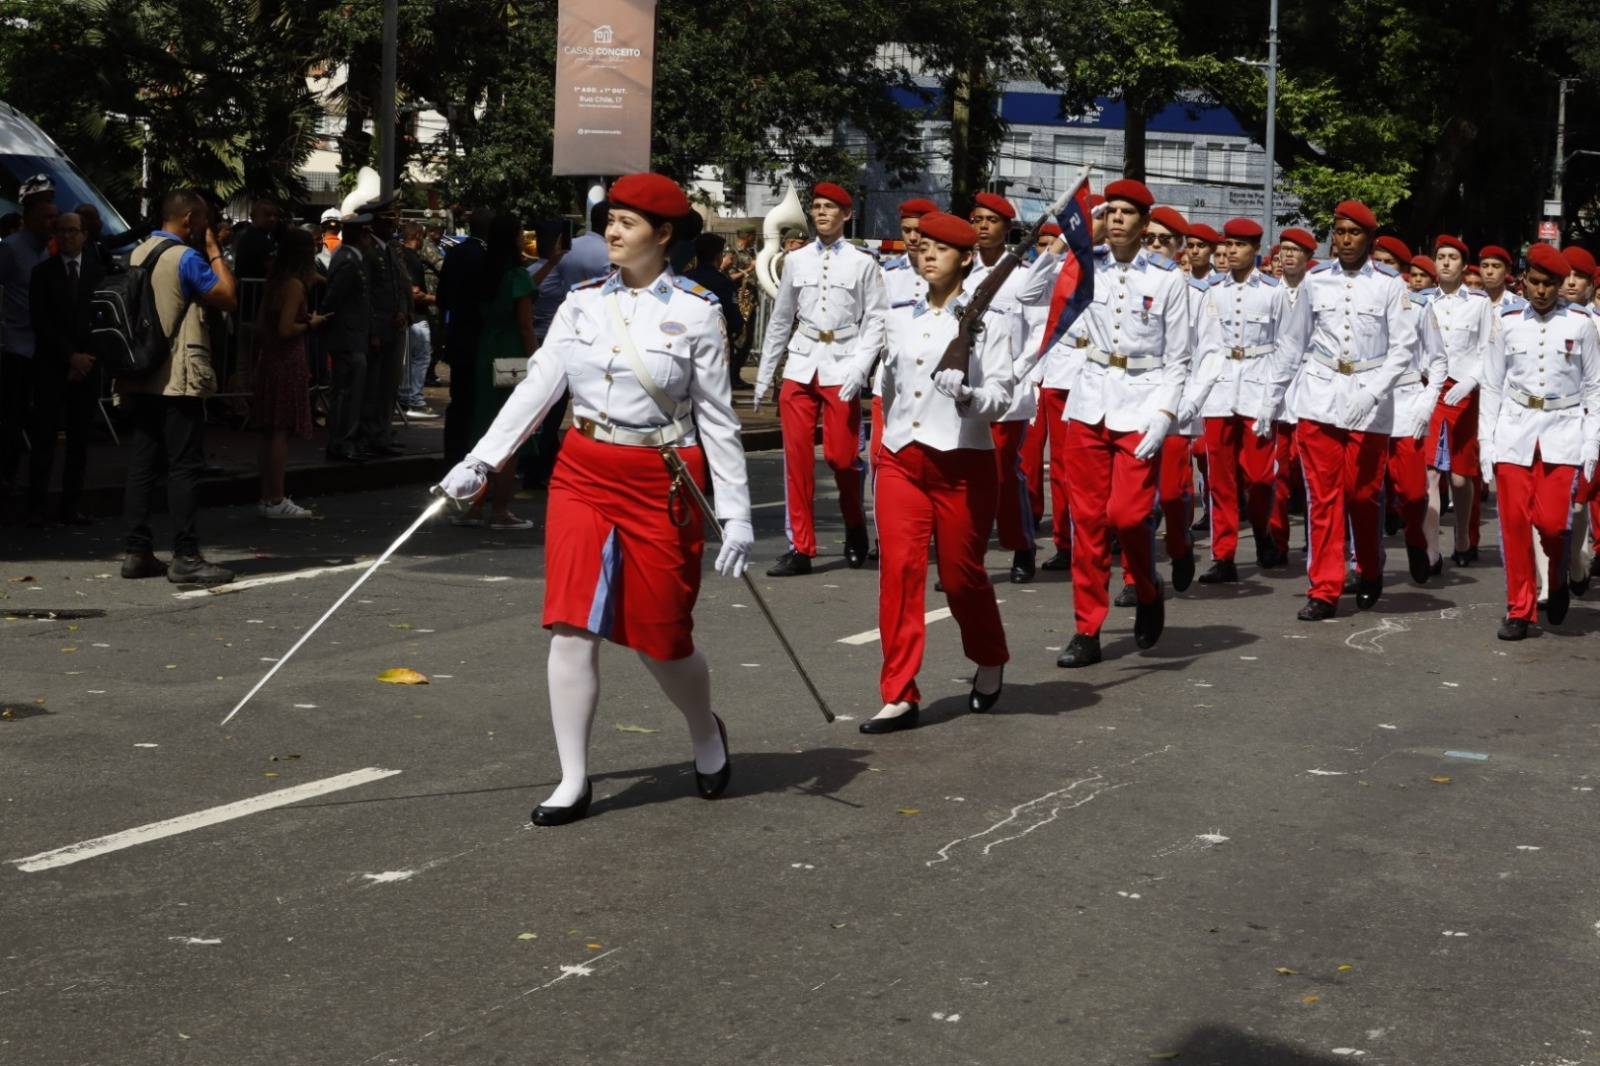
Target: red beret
[
  {"x": 1426, "y": 265},
  {"x": 1581, "y": 259},
  {"x": 1170, "y": 218},
  {"x": 948, "y": 229},
  {"x": 1202, "y": 232},
  {"x": 996, "y": 203},
  {"x": 917, "y": 208},
  {"x": 1472, "y": 268},
  {"x": 650, "y": 193},
  {"x": 1095, "y": 200},
  {"x": 1494, "y": 251},
  {"x": 1395, "y": 247},
  {"x": 1049, "y": 229},
  {"x": 1545, "y": 257},
  {"x": 827, "y": 190},
  {"x": 1301, "y": 237},
  {"x": 1357, "y": 212},
  {"x": 1444, "y": 240},
  {"x": 1244, "y": 229},
  {"x": 1134, "y": 192}
]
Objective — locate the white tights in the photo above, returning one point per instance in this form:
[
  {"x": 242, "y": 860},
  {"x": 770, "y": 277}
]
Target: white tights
[{"x": 574, "y": 681}]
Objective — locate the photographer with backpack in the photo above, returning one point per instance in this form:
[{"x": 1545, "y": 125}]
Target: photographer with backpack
[{"x": 164, "y": 405}]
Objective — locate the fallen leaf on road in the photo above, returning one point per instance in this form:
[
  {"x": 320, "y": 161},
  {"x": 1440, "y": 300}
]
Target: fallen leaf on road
[
  {"x": 65, "y": 651},
  {"x": 8, "y": 714},
  {"x": 527, "y": 936},
  {"x": 22, "y": 580},
  {"x": 72, "y": 629},
  {"x": 1345, "y": 967},
  {"x": 1311, "y": 1001},
  {"x": 401, "y": 675},
  {"x": 270, "y": 773},
  {"x": 635, "y": 729},
  {"x": 1440, "y": 779},
  {"x": 592, "y": 946},
  {"x": 1284, "y": 971},
  {"x": 399, "y": 625},
  {"x": 909, "y": 811},
  {"x": 284, "y": 758}
]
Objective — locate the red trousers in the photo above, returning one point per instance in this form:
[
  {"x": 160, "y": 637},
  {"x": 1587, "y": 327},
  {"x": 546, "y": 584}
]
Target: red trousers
[
  {"x": 1232, "y": 449},
  {"x": 875, "y": 442},
  {"x": 948, "y": 497},
  {"x": 1408, "y": 475},
  {"x": 800, "y": 408},
  {"x": 1287, "y": 462},
  {"x": 1048, "y": 427},
  {"x": 1175, "y": 496},
  {"x": 1109, "y": 487},
  {"x": 1535, "y": 498},
  {"x": 1344, "y": 482},
  {"x": 1013, "y": 510}
]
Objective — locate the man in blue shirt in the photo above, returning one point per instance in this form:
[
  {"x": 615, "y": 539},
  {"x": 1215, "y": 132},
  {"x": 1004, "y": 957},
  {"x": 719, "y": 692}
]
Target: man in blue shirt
[
  {"x": 19, "y": 254},
  {"x": 587, "y": 258}
]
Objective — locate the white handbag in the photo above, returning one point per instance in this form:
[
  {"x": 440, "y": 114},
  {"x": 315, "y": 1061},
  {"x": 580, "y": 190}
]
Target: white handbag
[{"x": 508, "y": 372}]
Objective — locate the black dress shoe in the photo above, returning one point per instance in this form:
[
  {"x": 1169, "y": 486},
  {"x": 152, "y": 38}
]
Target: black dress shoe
[
  {"x": 1128, "y": 597},
  {"x": 1367, "y": 592},
  {"x": 1512, "y": 629},
  {"x": 710, "y": 786},
  {"x": 790, "y": 564},
  {"x": 1472, "y": 555},
  {"x": 1417, "y": 561},
  {"x": 1149, "y": 620},
  {"x": 1222, "y": 572},
  {"x": 1316, "y": 610},
  {"x": 938, "y": 585},
  {"x": 196, "y": 570},
  {"x": 1560, "y": 599},
  {"x": 1579, "y": 586},
  {"x": 1022, "y": 567},
  {"x": 1182, "y": 571},
  {"x": 908, "y": 720},
  {"x": 1081, "y": 651},
  {"x": 143, "y": 564},
  {"x": 855, "y": 546},
  {"x": 983, "y": 702},
  {"x": 1061, "y": 560},
  {"x": 1392, "y": 523},
  {"x": 1458, "y": 558},
  {"x": 1437, "y": 568},
  {"x": 546, "y": 815},
  {"x": 1201, "y": 523}
]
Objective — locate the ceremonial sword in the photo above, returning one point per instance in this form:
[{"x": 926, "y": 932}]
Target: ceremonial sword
[{"x": 683, "y": 482}]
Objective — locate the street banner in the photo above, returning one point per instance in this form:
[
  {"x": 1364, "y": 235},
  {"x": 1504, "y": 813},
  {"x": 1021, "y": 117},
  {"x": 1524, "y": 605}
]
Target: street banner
[{"x": 605, "y": 73}]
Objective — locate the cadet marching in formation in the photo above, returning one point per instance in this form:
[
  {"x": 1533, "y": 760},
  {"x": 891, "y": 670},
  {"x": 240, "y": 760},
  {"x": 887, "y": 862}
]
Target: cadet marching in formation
[{"x": 1377, "y": 378}]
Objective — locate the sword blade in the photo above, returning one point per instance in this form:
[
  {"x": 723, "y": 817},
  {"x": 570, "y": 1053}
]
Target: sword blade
[{"x": 431, "y": 510}]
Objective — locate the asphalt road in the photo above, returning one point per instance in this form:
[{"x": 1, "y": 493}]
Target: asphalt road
[{"x": 1248, "y": 846}]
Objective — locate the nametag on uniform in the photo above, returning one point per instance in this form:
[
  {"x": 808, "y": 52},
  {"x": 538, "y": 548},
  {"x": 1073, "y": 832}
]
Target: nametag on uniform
[{"x": 674, "y": 329}]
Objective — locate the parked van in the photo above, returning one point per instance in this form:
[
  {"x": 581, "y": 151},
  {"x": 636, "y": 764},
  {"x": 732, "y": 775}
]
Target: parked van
[{"x": 26, "y": 150}]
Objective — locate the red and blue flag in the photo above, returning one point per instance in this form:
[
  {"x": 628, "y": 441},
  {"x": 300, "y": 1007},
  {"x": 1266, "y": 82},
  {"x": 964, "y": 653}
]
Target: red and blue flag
[{"x": 1074, "y": 287}]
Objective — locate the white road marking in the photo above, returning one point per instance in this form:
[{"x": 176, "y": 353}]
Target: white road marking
[
  {"x": 872, "y": 636},
  {"x": 88, "y": 849},
  {"x": 269, "y": 579},
  {"x": 194, "y": 940}
]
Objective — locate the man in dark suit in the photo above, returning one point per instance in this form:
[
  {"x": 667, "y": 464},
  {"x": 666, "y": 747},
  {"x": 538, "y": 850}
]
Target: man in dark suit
[
  {"x": 707, "y": 272},
  {"x": 66, "y": 382},
  {"x": 463, "y": 322},
  {"x": 348, "y": 301}
]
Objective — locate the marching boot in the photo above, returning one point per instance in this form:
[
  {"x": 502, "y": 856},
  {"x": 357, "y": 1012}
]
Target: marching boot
[
  {"x": 1082, "y": 650},
  {"x": 548, "y": 816},
  {"x": 1222, "y": 572},
  {"x": 1149, "y": 620},
  {"x": 1560, "y": 600},
  {"x": 710, "y": 786},
  {"x": 143, "y": 564},
  {"x": 1061, "y": 560},
  {"x": 1128, "y": 597},
  {"x": 1512, "y": 629},
  {"x": 1183, "y": 571},
  {"x": 1316, "y": 610},
  {"x": 790, "y": 564},
  {"x": 983, "y": 702},
  {"x": 1022, "y": 566},
  {"x": 855, "y": 546},
  {"x": 197, "y": 570},
  {"x": 1367, "y": 592},
  {"x": 1417, "y": 561},
  {"x": 1579, "y": 586}
]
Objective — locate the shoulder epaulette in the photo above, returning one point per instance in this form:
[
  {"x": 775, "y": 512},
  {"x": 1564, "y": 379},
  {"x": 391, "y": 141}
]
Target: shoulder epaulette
[
  {"x": 1385, "y": 268},
  {"x": 590, "y": 283},
  {"x": 1478, "y": 293},
  {"x": 899, "y": 262},
  {"x": 1331, "y": 264},
  {"x": 1163, "y": 262},
  {"x": 694, "y": 288},
  {"x": 1579, "y": 309},
  {"x": 1508, "y": 312}
]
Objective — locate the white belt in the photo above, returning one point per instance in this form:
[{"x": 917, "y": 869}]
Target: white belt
[
  {"x": 1410, "y": 377},
  {"x": 1543, "y": 403},
  {"x": 1347, "y": 366},
  {"x": 1248, "y": 352},
  {"x": 827, "y": 336},
  {"x": 1119, "y": 361},
  {"x": 636, "y": 438}
]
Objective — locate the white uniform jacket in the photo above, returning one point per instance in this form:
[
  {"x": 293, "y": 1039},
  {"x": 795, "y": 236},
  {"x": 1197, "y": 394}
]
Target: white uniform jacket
[
  {"x": 1541, "y": 387},
  {"x": 913, "y": 409},
  {"x": 1285, "y": 411},
  {"x": 830, "y": 308},
  {"x": 681, "y": 337},
  {"x": 1416, "y": 392},
  {"x": 1466, "y": 319},
  {"x": 1363, "y": 336},
  {"x": 902, "y": 283},
  {"x": 1140, "y": 343},
  {"x": 1026, "y": 288},
  {"x": 1252, "y": 340}
]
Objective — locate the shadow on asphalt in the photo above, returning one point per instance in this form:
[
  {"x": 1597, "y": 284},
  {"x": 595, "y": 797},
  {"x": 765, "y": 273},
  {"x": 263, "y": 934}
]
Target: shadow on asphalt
[
  {"x": 1224, "y": 1045},
  {"x": 821, "y": 772},
  {"x": 1411, "y": 601}
]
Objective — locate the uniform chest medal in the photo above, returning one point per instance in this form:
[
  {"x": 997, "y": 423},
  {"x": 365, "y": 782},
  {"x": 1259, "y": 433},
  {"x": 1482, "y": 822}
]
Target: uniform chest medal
[
  {"x": 1149, "y": 302},
  {"x": 1570, "y": 343},
  {"x": 674, "y": 329}
]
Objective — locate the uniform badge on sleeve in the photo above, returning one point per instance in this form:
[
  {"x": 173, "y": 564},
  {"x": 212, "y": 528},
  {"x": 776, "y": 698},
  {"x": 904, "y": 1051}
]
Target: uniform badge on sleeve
[{"x": 674, "y": 329}]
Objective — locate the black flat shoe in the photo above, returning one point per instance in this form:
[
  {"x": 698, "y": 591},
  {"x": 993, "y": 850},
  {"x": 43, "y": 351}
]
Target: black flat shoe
[
  {"x": 1182, "y": 571},
  {"x": 790, "y": 564},
  {"x": 143, "y": 564},
  {"x": 1148, "y": 622},
  {"x": 1128, "y": 597},
  {"x": 1059, "y": 561},
  {"x": 1472, "y": 555},
  {"x": 983, "y": 702},
  {"x": 1417, "y": 561},
  {"x": 1316, "y": 610},
  {"x": 710, "y": 786},
  {"x": 1460, "y": 559},
  {"x": 1579, "y": 586},
  {"x": 892, "y": 725},
  {"x": 1555, "y": 611},
  {"x": 543, "y": 815},
  {"x": 1022, "y": 567},
  {"x": 1437, "y": 568},
  {"x": 855, "y": 546},
  {"x": 1367, "y": 592},
  {"x": 1081, "y": 651},
  {"x": 1512, "y": 629},
  {"x": 1222, "y": 572}
]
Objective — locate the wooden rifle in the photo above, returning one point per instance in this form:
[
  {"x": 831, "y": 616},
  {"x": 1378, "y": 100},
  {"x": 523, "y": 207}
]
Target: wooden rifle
[{"x": 958, "y": 354}]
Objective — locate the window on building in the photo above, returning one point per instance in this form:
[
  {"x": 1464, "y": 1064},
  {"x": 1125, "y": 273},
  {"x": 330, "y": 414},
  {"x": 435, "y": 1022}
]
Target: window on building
[
  {"x": 1226, "y": 162},
  {"x": 1016, "y": 156},
  {"x": 1168, "y": 160},
  {"x": 1075, "y": 151},
  {"x": 936, "y": 148}
]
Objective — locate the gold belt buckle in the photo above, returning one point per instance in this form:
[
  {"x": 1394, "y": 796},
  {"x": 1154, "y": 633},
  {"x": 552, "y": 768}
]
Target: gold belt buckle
[
  {"x": 1235, "y": 353},
  {"x": 1536, "y": 403},
  {"x": 1080, "y": 342},
  {"x": 825, "y": 336},
  {"x": 1346, "y": 367},
  {"x": 1117, "y": 360}
]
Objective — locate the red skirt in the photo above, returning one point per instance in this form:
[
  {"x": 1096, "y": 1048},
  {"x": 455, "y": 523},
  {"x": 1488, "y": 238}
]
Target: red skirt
[{"x": 615, "y": 563}]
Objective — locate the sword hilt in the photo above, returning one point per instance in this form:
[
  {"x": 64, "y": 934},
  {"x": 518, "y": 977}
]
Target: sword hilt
[{"x": 437, "y": 491}]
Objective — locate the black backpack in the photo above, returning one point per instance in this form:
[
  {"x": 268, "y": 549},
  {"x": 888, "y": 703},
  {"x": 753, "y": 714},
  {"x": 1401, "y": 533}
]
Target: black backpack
[{"x": 128, "y": 339}]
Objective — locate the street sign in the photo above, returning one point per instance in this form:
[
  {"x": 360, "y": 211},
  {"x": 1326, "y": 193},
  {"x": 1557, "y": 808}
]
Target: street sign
[
  {"x": 1549, "y": 231},
  {"x": 1552, "y": 208}
]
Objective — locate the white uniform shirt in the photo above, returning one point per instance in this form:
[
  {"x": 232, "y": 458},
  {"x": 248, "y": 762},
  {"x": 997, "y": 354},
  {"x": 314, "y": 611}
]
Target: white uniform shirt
[
  {"x": 902, "y": 283},
  {"x": 833, "y": 289},
  {"x": 1553, "y": 360},
  {"x": 1465, "y": 319},
  {"x": 1416, "y": 392},
  {"x": 1140, "y": 311},
  {"x": 1025, "y": 288},
  {"x": 681, "y": 337},
  {"x": 914, "y": 409},
  {"x": 1363, "y": 322},
  {"x": 1251, "y": 342},
  {"x": 1286, "y": 405}
]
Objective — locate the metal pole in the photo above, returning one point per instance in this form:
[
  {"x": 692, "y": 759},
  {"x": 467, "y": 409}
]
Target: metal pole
[
  {"x": 1268, "y": 224},
  {"x": 1565, "y": 86},
  {"x": 386, "y": 97}
]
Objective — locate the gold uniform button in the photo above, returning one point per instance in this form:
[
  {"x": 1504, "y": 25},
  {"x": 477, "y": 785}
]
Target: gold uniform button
[
  {"x": 608, "y": 375},
  {"x": 917, "y": 395},
  {"x": 615, "y": 349},
  {"x": 919, "y": 362},
  {"x": 916, "y": 425}
]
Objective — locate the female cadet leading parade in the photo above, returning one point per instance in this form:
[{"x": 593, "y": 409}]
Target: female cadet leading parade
[
  {"x": 936, "y": 477},
  {"x": 644, "y": 355}
]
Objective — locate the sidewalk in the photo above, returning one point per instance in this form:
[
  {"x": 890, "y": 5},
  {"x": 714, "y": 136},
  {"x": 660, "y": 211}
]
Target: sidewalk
[{"x": 234, "y": 453}]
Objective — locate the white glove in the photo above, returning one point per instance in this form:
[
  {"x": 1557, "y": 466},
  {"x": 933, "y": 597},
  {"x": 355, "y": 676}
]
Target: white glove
[
  {"x": 1155, "y": 432},
  {"x": 467, "y": 479},
  {"x": 854, "y": 381},
  {"x": 950, "y": 383},
  {"x": 1187, "y": 411},
  {"x": 1460, "y": 391},
  {"x": 1591, "y": 459},
  {"x": 1359, "y": 406},
  {"x": 1486, "y": 467},
  {"x": 759, "y": 394},
  {"x": 737, "y": 540},
  {"x": 1263, "y": 425}
]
